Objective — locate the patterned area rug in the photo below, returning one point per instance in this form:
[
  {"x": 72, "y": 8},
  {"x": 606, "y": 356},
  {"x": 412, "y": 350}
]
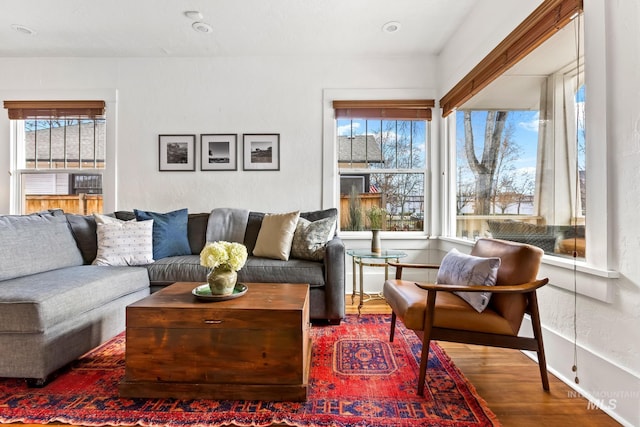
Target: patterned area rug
[{"x": 357, "y": 378}]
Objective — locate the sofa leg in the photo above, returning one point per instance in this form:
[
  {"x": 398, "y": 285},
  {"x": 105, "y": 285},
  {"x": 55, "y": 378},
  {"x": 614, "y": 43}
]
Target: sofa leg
[
  {"x": 37, "y": 382},
  {"x": 334, "y": 322}
]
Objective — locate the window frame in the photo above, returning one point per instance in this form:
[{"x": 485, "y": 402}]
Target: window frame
[
  {"x": 597, "y": 274},
  {"x": 109, "y": 187},
  {"x": 331, "y": 172}
]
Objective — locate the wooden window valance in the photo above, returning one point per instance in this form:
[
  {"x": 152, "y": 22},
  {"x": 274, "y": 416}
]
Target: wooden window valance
[
  {"x": 26, "y": 110},
  {"x": 412, "y": 109},
  {"x": 543, "y": 22}
]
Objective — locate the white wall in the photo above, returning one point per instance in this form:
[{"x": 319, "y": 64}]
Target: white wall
[
  {"x": 211, "y": 95},
  {"x": 284, "y": 95},
  {"x": 608, "y": 332}
]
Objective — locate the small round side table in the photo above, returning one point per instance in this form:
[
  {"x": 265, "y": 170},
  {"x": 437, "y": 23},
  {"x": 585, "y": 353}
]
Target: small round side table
[{"x": 362, "y": 257}]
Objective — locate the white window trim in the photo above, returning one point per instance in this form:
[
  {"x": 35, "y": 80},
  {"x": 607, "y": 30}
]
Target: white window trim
[
  {"x": 330, "y": 170},
  {"x": 596, "y": 275},
  {"x": 109, "y": 185}
]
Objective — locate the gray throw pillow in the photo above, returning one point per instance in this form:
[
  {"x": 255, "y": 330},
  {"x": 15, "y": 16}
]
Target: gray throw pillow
[
  {"x": 467, "y": 270},
  {"x": 310, "y": 238}
]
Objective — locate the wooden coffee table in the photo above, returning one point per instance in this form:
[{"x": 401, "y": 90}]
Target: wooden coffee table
[{"x": 255, "y": 347}]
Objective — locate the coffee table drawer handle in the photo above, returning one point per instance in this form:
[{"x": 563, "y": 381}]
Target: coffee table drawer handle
[{"x": 213, "y": 322}]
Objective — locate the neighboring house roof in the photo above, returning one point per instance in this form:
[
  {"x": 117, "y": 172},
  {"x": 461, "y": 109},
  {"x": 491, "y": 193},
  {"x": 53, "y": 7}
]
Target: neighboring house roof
[
  {"x": 70, "y": 133},
  {"x": 359, "y": 149}
]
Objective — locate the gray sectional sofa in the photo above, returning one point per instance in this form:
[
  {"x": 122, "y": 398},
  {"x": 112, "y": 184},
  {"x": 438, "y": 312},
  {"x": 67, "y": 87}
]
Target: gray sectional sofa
[{"x": 55, "y": 305}]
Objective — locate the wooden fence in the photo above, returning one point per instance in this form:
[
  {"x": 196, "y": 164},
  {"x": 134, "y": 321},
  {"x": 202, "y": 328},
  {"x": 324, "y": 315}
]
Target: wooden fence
[{"x": 84, "y": 204}]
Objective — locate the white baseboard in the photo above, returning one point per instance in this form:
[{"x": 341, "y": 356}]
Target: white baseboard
[{"x": 605, "y": 385}]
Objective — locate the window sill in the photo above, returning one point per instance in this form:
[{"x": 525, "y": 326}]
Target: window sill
[
  {"x": 385, "y": 235},
  {"x": 588, "y": 280}
]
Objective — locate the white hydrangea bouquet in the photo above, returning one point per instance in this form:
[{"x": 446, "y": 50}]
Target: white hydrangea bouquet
[
  {"x": 223, "y": 259},
  {"x": 221, "y": 255}
]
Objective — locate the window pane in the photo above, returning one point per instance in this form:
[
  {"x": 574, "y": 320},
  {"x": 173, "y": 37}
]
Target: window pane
[
  {"x": 394, "y": 202},
  {"x": 64, "y": 143},
  {"x": 515, "y": 174},
  {"x": 382, "y": 174},
  {"x": 67, "y": 153}
]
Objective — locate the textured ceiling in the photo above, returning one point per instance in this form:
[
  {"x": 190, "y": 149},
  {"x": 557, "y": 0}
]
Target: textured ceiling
[{"x": 159, "y": 28}]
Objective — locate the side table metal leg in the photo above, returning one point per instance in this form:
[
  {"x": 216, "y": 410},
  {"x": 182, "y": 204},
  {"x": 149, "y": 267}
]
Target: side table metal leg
[
  {"x": 360, "y": 304},
  {"x": 353, "y": 275}
]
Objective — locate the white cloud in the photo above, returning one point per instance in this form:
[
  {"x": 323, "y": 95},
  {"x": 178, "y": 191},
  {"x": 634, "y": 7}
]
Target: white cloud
[
  {"x": 532, "y": 125},
  {"x": 346, "y": 129}
]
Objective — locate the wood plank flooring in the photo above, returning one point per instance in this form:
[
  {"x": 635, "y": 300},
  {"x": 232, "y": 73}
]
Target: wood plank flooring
[{"x": 510, "y": 384}]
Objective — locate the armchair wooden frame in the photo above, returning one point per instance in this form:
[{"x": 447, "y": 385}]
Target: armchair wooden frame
[{"x": 431, "y": 332}]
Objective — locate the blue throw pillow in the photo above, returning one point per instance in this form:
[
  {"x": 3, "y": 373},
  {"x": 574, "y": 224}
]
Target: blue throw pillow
[{"x": 170, "y": 236}]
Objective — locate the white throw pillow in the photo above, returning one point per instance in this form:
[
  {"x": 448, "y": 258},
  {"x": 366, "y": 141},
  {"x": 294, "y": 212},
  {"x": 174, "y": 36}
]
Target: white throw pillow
[
  {"x": 123, "y": 242},
  {"x": 465, "y": 270},
  {"x": 310, "y": 238},
  {"x": 275, "y": 235}
]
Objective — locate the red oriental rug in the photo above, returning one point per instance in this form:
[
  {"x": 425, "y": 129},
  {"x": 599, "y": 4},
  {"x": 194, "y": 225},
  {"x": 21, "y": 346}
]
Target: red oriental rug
[{"x": 358, "y": 378}]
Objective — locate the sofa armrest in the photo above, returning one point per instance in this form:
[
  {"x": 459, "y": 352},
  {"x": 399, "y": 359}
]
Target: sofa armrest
[{"x": 334, "y": 278}]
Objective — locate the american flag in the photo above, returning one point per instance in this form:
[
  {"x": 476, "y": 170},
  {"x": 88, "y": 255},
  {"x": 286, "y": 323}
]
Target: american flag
[{"x": 373, "y": 189}]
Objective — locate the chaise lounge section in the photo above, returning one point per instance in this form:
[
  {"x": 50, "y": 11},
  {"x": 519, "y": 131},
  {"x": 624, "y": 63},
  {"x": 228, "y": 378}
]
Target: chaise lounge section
[{"x": 53, "y": 308}]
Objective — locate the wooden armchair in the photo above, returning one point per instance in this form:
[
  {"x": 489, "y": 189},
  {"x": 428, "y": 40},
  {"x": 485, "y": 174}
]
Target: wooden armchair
[{"x": 436, "y": 313}]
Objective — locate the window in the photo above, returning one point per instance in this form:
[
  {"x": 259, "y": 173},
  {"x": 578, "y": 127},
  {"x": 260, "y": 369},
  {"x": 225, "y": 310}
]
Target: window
[
  {"x": 382, "y": 167},
  {"x": 60, "y": 154},
  {"x": 520, "y": 155}
]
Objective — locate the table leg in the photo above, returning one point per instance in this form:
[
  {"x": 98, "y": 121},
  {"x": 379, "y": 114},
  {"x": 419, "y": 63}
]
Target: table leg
[
  {"x": 353, "y": 274},
  {"x": 361, "y": 303}
]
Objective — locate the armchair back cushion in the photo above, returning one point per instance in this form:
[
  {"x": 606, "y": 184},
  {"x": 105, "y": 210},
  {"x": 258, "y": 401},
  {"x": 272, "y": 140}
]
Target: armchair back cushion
[{"x": 519, "y": 264}]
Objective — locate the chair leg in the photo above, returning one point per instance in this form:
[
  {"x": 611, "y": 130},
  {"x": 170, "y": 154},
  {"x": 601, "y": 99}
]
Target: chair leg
[
  {"x": 426, "y": 340},
  {"x": 393, "y": 326},
  {"x": 537, "y": 333}
]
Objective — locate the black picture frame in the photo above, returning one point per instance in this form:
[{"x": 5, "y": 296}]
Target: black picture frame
[
  {"x": 261, "y": 151},
  {"x": 218, "y": 152},
  {"x": 177, "y": 153}
]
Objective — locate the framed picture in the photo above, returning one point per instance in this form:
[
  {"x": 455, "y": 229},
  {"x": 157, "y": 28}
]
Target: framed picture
[
  {"x": 218, "y": 152},
  {"x": 261, "y": 151},
  {"x": 177, "y": 152}
]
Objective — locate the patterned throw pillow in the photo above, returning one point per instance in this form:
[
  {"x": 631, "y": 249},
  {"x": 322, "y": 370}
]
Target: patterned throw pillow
[
  {"x": 465, "y": 270},
  {"x": 310, "y": 238},
  {"x": 123, "y": 242}
]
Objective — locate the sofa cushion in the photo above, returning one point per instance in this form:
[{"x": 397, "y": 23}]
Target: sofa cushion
[
  {"x": 275, "y": 236},
  {"x": 170, "y": 237},
  {"x": 184, "y": 268},
  {"x": 36, "y": 302},
  {"x": 227, "y": 224},
  {"x": 277, "y": 271},
  {"x": 260, "y": 270},
  {"x": 320, "y": 214},
  {"x": 464, "y": 270},
  {"x": 310, "y": 238},
  {"x": 123, "y": 242},
  {"x": 197, "y": 231},
  {"x": 83, "y": 228},
  {"x": 35, "y": 243}
]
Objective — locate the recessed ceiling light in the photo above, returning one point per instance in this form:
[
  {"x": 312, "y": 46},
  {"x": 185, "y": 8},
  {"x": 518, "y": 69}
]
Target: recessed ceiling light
[
  {"x": 193, "y": 14},
  {"x": 202, "y": 27},
  {"x": 23, "y": 29},
  {"x": 391, "y": 27}
]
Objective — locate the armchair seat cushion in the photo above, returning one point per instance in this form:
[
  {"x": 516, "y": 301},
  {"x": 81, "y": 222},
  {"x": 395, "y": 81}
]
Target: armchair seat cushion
[{"x": 409, "y": 302}]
